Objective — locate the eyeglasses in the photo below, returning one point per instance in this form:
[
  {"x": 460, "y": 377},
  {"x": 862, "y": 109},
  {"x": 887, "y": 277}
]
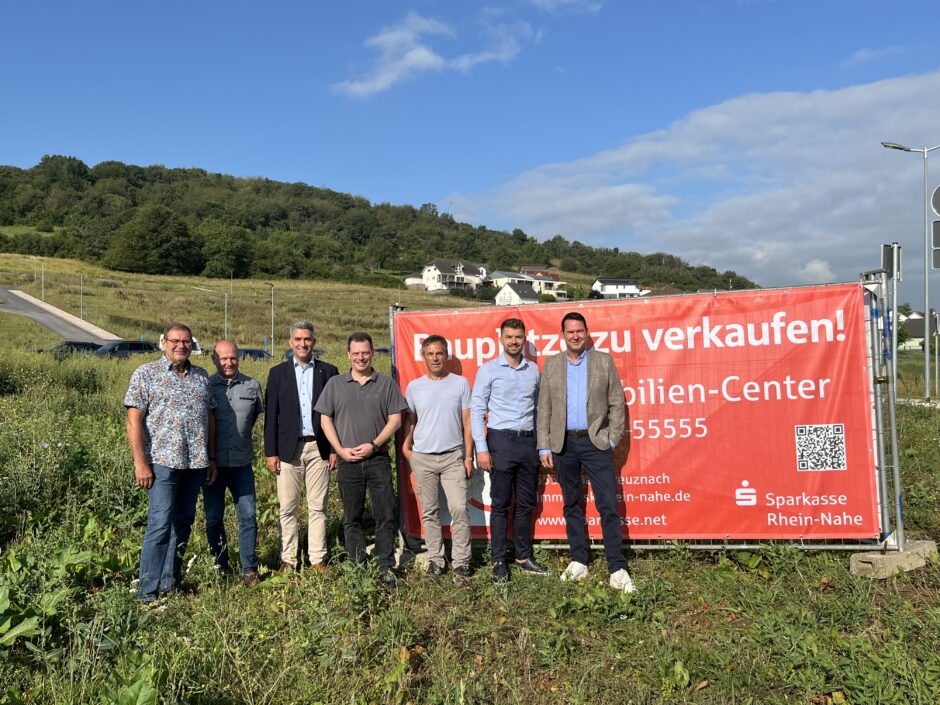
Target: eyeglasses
[{"x": 177, "y": 341}]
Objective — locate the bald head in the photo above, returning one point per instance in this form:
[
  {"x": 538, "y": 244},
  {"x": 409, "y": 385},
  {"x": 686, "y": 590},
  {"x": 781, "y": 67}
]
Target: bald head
[{"x": 225, "y": 357}]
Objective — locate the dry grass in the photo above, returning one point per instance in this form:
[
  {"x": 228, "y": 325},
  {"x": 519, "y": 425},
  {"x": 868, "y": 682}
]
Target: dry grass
[{"x": 139, "y": 306}]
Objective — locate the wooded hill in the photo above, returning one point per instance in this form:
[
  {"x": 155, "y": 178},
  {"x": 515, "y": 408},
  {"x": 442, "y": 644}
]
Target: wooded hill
[{"x": 187, "y": 221}]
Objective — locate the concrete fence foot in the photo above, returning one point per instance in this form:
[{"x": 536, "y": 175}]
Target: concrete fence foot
[{"x": 885, "y": 565}]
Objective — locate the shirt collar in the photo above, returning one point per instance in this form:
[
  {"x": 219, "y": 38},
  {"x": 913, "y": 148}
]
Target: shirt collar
[
  {"x": 219, "y": 379},
  {"x": 297, "y": 365},
  {"x": 505, "y": 363},
  {"x": 580, "y": 358},
  {"x": 171, "y": 366},
  {"x": 349, "y": 378}
]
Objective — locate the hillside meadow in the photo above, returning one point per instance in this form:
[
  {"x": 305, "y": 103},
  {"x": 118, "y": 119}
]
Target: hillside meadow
[
  {"x": 138, "y": 306},
  {"x": 776, "y": 626}
]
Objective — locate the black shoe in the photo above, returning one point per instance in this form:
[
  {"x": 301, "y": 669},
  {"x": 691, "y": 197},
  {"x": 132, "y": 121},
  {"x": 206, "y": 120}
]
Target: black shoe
[
  {"x": 387, "y": 577},
  {"x": 434, "y": 572},
  {"x": 530, "y": 566},
  {"x": 461, "y": 575},
  {"x": 500, "y": 572}
]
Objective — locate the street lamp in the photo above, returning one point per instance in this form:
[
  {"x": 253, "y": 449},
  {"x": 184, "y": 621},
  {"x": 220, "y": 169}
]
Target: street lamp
[
  {"x": 925, "y": 151},
  {"x": 225, "y": 303},
  {"x": 272, "y": 316}
]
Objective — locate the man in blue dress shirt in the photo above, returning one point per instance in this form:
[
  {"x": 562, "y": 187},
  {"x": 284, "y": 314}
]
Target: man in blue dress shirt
[
  {"x": 296, "y": 450},
  {"x": 505, "y": 395}
]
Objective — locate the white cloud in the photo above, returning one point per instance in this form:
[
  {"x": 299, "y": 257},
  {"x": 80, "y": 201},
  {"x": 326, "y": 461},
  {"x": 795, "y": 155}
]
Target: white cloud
[
  {"x": 574, "y": 5},
  {"x": 503, "y": 46},
  {"x": 816, "y": 271},
  {"x": 785, "y": 188},
  {"x": 405, "y": 52},
  {"x": 866, "y": 56}
]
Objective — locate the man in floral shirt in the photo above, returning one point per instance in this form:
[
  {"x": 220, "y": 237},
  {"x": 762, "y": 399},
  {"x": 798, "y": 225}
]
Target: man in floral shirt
[{"x": 171, "y": 430}]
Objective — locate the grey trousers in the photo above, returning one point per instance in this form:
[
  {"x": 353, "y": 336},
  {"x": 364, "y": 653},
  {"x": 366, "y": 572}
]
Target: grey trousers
[{"x": 432, "y": 472}]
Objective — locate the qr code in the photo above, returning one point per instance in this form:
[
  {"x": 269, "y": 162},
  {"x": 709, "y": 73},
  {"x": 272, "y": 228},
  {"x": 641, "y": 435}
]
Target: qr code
[{"x": 820, "y": 447}]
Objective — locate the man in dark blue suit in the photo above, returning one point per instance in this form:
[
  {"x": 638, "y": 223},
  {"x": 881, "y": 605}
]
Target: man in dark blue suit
[{"x": 295, "y": 448}]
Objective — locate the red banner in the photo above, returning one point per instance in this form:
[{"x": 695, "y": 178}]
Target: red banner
[{"x": 749, "y": 413}]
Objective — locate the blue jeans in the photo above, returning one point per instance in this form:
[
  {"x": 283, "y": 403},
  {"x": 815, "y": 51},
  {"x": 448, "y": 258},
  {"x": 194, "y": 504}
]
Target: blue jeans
[
  {"x": 240, "y": 482},
  {"x": 173, "y": 497}
]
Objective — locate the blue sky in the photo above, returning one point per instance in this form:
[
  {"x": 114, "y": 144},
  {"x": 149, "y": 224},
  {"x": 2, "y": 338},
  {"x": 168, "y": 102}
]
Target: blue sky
[{"x": 743, "y": 134}]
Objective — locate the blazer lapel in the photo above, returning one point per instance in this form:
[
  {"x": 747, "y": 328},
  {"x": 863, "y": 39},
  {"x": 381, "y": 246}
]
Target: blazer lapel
[
  {"x": 317, "y": 379},
  {"x": 593, "y": 372},
  {"x": 290, "y": 381}
]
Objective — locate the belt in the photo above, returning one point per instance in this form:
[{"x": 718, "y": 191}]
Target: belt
[
  {"x": 439, "y": 452},
  {"x": 307, "y": 439},
  {"x": 518, "y": 432},
  {"x": 577, "y": 434}
]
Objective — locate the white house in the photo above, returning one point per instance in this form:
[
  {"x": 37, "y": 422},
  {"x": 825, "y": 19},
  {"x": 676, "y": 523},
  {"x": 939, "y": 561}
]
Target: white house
[
  {"x": 501, "y": 278},
  {"x": 540, "y": 283},
  {"x": 516, "y": 294},
  {"x": 546, "y": 284},
  {"x": 414, "y": 281},
  {"x": 618, "y": 288},
  {"x": 444, "y": 274},
  {"x": 915, "y": 324}
]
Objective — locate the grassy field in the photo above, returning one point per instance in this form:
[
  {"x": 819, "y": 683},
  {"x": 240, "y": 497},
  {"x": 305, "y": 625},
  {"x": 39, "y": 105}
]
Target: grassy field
[
  {"x": 779, "y": 626},
  {"x": 135, "y": 306}
]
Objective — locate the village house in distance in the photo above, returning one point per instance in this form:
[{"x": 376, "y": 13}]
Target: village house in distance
[
  {"x": 446, "y": 274},
  {"x": 532, "y": 284},
  {"x": 515, "y": 288},
  {"x": 608, "y": 288}
]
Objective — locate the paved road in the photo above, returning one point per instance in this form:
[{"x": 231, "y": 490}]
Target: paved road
[{"x": 51, "y": 318}]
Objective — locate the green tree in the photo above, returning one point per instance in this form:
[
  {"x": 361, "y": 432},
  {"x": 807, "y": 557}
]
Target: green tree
[
  {"x": 227, "y": 249},
  {"x": 155, "y": 241}
]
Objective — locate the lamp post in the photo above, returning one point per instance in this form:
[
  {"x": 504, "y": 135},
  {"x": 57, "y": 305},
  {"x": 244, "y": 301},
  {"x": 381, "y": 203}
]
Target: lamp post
[
  {"x": 272, "y": 317},
  {"x": 224, "y": 303},
  {"x": 924, "y": 151}
]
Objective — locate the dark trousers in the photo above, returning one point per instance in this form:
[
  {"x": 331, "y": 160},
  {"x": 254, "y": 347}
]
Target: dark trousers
[
  {"x": 600, "y": 468},
  {"x": 375, "y": 475},
  {"x": 515, "y": 465}
]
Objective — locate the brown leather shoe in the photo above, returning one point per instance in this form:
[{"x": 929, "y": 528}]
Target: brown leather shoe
[
  {"x": 319, "y": 567},
  {"x": 251, "y": 579},
  {"x": 285, "y": 567}
]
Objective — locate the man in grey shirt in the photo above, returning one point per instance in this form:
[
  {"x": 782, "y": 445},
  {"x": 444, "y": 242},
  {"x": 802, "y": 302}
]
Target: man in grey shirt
[
  {"x": 238, "y": 403},
  {"x": 439, "y": 447},
  {"x": 360, "y": 412}
]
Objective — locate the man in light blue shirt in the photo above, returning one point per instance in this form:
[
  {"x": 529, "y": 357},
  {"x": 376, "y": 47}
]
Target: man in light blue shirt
[
  {"x": 296, "y": 450},
  {"x": 502, "y": 416},
  {"x": 582, "y": 416}
]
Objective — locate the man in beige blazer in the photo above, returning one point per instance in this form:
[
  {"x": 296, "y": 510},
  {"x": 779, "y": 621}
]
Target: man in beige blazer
[{"x": 581, "y": 418}]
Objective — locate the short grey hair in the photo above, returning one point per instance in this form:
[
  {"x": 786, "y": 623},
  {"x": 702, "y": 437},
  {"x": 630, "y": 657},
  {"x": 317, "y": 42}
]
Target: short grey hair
[{"x": 303, "y": 325}]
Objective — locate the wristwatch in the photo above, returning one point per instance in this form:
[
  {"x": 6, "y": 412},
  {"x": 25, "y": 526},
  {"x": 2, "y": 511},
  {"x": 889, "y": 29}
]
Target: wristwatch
[{"x": 375, "y": 448}]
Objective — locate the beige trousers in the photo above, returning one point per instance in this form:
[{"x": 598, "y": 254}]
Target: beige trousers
[
  {"x": 306, "y": 470},
  {"x": 432, "y": 472}
]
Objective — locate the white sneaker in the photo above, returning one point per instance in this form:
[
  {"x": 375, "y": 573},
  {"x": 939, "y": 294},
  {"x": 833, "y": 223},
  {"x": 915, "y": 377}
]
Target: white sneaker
[
  {"x": 574, "y": 572},
  {"x": 621, "y": 580}
]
